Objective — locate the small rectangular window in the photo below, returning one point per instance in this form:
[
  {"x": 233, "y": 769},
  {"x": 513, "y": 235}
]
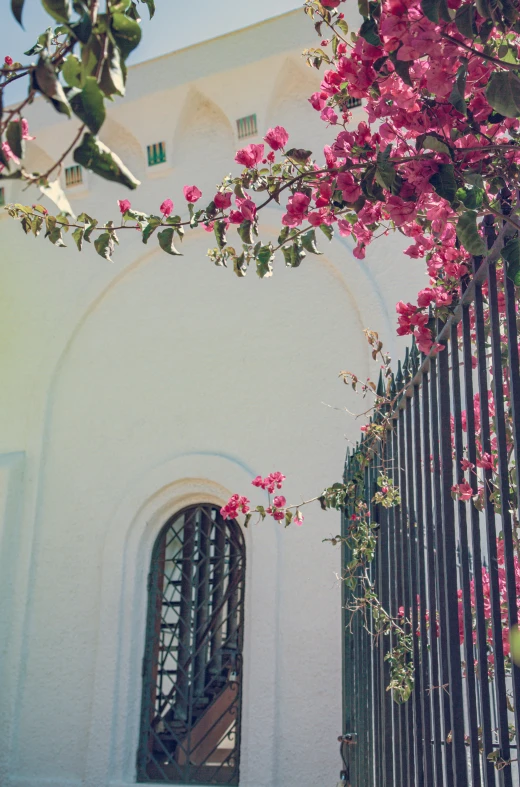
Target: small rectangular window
[
  {"x": 156, "y": 153},
  {"x": 353, "y": 102},
  {"x": 246, "y": 127},
  {"x": 73, "y": 176},
  {"x": 2, "y": 197}
]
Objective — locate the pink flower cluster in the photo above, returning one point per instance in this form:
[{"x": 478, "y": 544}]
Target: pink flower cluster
[
  {"x": 269, "y": 483},
  {"x": 235, "y": 505}
]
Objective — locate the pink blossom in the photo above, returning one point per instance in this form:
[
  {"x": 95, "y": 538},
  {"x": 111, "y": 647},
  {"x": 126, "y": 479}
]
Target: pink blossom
[
  {"x": 9, "y": 153},
  {"x": 192, "y": 193},
  {"x": 277, "y": 138},
  {"x": 298, "y": 518},
  {"x": 296, "y": 208},
  {"x": 348, "y": 186},
  {"x": 222, "y": 200},
  {"x": 124, "y": 205},
  {"x": 8, "y": 60},
  {"x": 250, "y": 156},
  {"x": 318, "y": 101},
  {"x": 270, "y": 483},
  {"x": 280, "y": 501},
  {"x": 235, "y": 505},
  {"x": 166, "y": 207}
]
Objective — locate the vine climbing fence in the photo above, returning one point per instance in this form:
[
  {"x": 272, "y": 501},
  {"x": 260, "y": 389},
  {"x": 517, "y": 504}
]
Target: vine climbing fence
[{"x": 430, "y": 558}]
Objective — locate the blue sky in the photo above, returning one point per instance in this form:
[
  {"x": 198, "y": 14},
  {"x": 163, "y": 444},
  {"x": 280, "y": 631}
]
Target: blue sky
[{"x": 176, "y": 24}]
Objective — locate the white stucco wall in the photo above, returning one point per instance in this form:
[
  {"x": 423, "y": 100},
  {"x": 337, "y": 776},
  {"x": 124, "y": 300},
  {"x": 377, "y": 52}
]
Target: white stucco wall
[{"x": 131, "y": 389}]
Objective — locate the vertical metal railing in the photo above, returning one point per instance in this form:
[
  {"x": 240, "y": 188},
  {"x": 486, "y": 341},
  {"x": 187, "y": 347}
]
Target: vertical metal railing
[{"x": 446, "y": 567}]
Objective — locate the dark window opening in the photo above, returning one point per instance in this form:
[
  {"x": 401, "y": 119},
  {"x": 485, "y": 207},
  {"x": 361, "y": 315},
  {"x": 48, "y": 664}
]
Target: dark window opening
[{"x": 192, "y": 668}]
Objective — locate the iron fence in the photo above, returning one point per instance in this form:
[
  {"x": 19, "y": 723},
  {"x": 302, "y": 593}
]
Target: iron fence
[{"x": 446, "y": 561}]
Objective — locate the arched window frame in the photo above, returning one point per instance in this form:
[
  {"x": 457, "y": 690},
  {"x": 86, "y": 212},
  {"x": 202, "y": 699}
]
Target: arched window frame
[{"x": 185, "y": 734}]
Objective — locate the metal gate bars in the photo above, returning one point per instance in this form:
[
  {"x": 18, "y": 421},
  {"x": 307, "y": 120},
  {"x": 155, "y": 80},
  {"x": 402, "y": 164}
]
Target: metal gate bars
[
  {"x": 446, "y": 562},
  {"x": 192, "y": 668}
]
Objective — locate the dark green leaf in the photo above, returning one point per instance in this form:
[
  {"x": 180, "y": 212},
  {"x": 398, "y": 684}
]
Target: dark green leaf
[
  {"x": 72, "y": 71},
  {"x": 363, "y": 8},
  {"x": 17, "y": 8},
  {"x": 459, "y": 88},
  {"x": 219, "y": 228},
  {"x": 78, "y": 237},
  {"x": 127, "y": 33},
  {"x": 385, "y": 172},
  {"x": 369, "y": 31},
  {"x": 471, "y": 198},
  {"x": 89, "y": 105},
  {"x": 444, "y": 182},
  {"x": 309, "y": 242},
  {"x": 60, "y": 10},
  {"x": 299, "y": 155},
  {"x": 94, "y": 155},
  {"x": 430, "y": 9},
  {"x": 465, "y": 20},
  {"x": 46, "y": 81},
  {"x": 151, "y": 226},
  {"x": 264, "y": 260},
  {"x": 105, "y": 245},
  {"x": 240, "y": 265},
  {"x": 14, "y": 138},
  {"x": 245, "y": 231},
  {"x": 36, "y": 225},
  {"x": 4, "y": 160},
  {"x": 82, "y": 29},
  {"x": 166, "y": 242},
  {"x": 511, "y": 253},
  {"x": 503, "y": 93},
  {"x": 402, "y": 68},
  {"x": 468, "y": 235}
]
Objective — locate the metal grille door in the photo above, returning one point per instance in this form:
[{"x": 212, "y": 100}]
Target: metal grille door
[{"x": 192, "y": 668}]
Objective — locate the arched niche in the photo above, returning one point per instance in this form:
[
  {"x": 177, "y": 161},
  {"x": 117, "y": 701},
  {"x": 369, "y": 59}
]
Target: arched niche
[
  {"x": 203, "y": 134},
  {"x": 124, "y": 143},
  {"x": 288, "y": 105}
]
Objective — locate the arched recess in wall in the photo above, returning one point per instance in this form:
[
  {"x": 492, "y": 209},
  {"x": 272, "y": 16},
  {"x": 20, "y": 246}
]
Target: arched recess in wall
[
  {"x": 203, "y": 133},
  {"x": 36, "y": 160},
  {"x": 288, "y": 105}
]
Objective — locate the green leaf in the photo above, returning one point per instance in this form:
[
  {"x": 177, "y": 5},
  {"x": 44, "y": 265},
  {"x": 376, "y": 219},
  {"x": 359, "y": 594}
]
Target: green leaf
[
  {"x": 471, "y": 198},
  {"x": 327, "y": 231},
  {"x": 127, "y": 33},
  {"x": 219, "y": 228},
  {"x": 432, "y": 141},
  {"x": 465, "y": 20},
  {"x": 78, "y": 237},
  {"x": 89, "y": 105},
  {"x": 14, "y": 138},
  {"x": 369, "y": 31},
  {"x": 166, "y": 241},
  {"x": 105, "y": 245},
  {"x": 294, "y": 254},
  {"x": 17, "y": 8},
  {"x": 46, "y": 81},
  {"x": 82, "y": 29},
  {"x": 151, "y": 6},
  {"x": 240, "y": 265},
  {"x": 444, "y": 182},
  {"x": 299, "y": 155},
  {"x": 430, "y": 9},
  {"x": 503, "y": 93},
  {"x": 60, "y": 10},
  {"x": 402, "y": 68},
  {"x": 459, "y": 88},
  {"x": 55, "y": 237},
  {"x": 309, "y": 242},
  {"x": 245, "y": 231},
  {"x": 113, "y": 74},
  {"x": 72, "y": 71},
  {"x": 264, "y": 260},
  {"x": 468, "y": 235},
  {"x": 363, "y": 8},
  {"x": 511, "y": 253},
  {"x": 97, "y": 157}
]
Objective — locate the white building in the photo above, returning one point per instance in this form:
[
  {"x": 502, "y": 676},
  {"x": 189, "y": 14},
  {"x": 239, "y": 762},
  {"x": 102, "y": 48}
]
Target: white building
[{"x": 133, "y": 390}]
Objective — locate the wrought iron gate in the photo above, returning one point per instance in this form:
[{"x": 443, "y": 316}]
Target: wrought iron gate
[
  {"x": 192, "y": 669},
  {"x": 446, "y": 565}
]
